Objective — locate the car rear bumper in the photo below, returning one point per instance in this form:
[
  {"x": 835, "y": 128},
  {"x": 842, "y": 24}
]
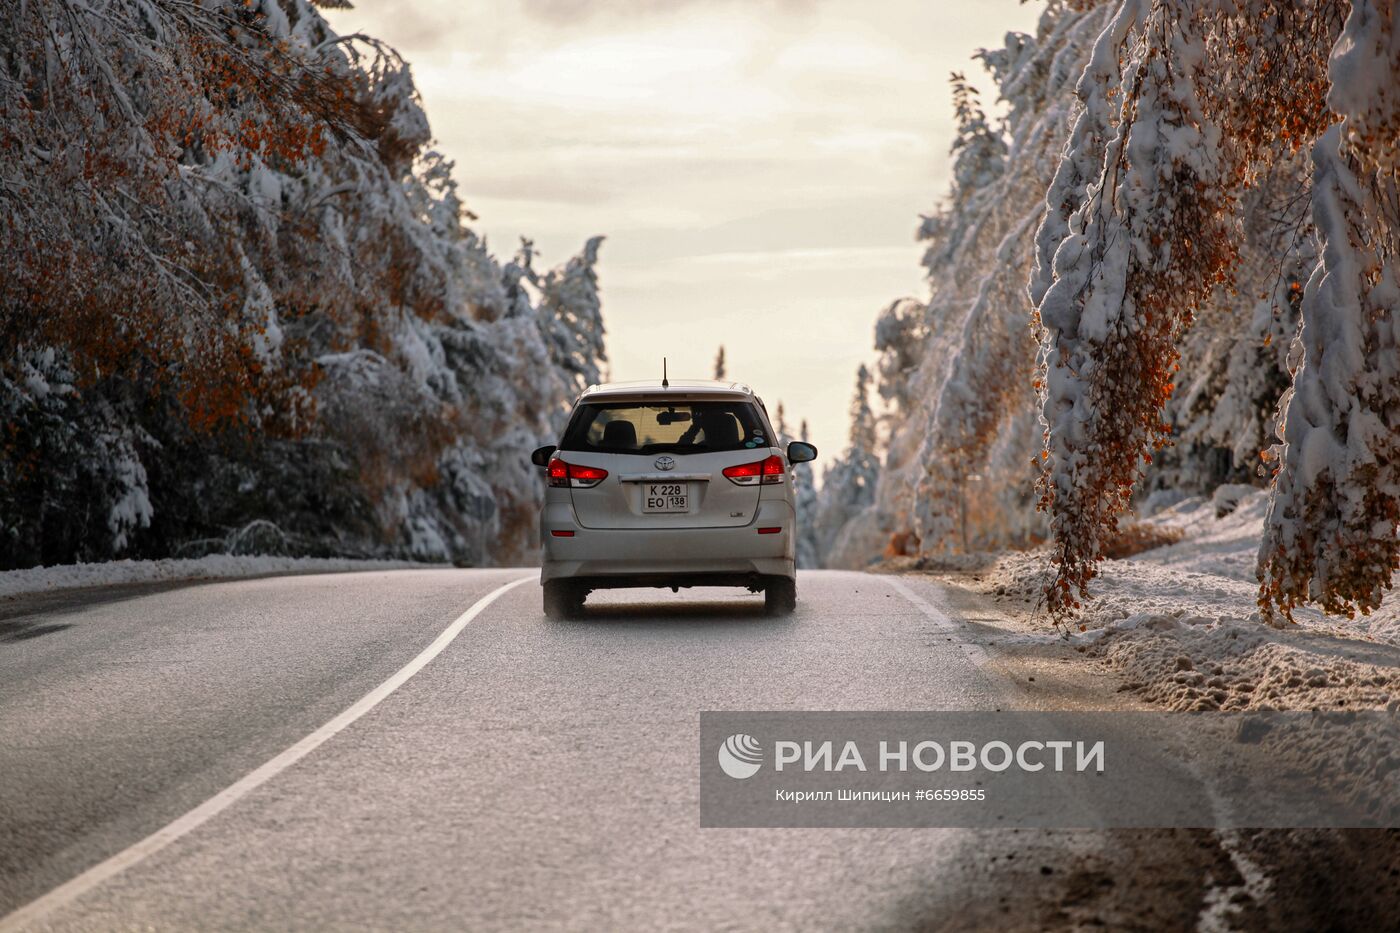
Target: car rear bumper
[{"x": 668, "y": 556}]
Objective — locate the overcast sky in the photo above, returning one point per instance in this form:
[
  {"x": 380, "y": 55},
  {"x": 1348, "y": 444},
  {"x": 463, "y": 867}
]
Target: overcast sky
[{"x": 757, "y": 167}]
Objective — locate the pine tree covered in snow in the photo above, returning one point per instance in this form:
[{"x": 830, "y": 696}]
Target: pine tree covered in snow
[
  {"x": 805, "y": 492},
  {"x": 863, "y": 429},
  {"x": 901, "y": 331},
  {"x": 849, "y": 483},
  {"x": 239, "y": 303},
  {"x": 571, "y": 316},
  {"x": 720, "y": 371}
]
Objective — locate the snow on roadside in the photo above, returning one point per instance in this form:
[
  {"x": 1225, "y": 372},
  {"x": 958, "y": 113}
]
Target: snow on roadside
[
  {"x": 212, "y": 567},
  {"x": 1180, "y": 626}
]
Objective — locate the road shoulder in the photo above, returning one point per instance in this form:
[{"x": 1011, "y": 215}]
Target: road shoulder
[{"x": 1152, "y": 879}]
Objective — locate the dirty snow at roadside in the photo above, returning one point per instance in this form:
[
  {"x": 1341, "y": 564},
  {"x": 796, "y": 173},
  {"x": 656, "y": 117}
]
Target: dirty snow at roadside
[
  {"x": 1180, "y": 626},
  {"x": 212, "y": 567}
]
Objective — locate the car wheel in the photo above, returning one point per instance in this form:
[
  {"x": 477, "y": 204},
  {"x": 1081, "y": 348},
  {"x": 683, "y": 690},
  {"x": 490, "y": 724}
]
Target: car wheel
[
  {"x": 563, "y": 600},
  {"x": 780, "y": 596}
]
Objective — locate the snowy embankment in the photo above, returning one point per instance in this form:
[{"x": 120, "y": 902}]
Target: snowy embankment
[
  {"x": 1179, "y": 624},
  {"x": 211, "y": 567}
]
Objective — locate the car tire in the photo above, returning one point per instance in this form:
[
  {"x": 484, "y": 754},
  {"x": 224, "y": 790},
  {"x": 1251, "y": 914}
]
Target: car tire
[
  {"x": 780, "y": 596},
  {"x": 563, "y": 600}
]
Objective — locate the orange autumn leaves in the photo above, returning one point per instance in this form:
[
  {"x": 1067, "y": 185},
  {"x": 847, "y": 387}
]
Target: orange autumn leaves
[
  {"x": 119, "y": 246},
  {"x": 1330, "y": 538}
]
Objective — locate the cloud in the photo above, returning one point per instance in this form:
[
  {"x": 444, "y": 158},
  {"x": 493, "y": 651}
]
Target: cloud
[
  {"x": 411, "y": 26},
  {"x": 757, "y": 165},
  {"x": 575, "y": 12}
]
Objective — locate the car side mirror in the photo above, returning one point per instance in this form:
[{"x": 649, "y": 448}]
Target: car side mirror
[
  {"x": 542, "y": 454},
  {"x": 801, "y": 452}
]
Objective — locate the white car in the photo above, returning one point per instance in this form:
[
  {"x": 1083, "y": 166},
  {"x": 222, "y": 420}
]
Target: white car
[{"x": 669, "y": 484}]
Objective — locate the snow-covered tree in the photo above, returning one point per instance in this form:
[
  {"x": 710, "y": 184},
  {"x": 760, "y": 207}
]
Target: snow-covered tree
[
  {"x": 805, "y": 492},
  {"x": 863, "y": 428},
  {"x": 1234, "y": 359},
  {"x": 849, "y": 483},
  {"x": 571, "y": 316},
  {"x": 720, "y": 371},
  {"x": 1145, "y": 248},
  {"x": 1151, "y": 193},
  {"x": 238, "y": 291},
  {"x": 1159, "y": 233},
  {"x": 1330, "y": 536},
  {"x": 955, "y": 369},
  {"x": 900, "y": 332},
  {"x": 978, "y": 151}
]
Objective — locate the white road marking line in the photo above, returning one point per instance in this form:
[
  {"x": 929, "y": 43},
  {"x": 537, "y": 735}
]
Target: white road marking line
[
  {"x": 70, "y": 891},
  {"x": 975, "y": 653}
]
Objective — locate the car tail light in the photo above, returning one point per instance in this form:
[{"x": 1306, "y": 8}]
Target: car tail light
[
  {"x": 765, "y": 472},
  {"x": 571, "y": 474},
  {"x": 770, "y": 531}
]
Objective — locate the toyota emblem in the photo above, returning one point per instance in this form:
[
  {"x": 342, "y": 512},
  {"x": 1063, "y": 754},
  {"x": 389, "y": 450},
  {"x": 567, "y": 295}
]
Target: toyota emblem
[{"x": 665, "y": 463}]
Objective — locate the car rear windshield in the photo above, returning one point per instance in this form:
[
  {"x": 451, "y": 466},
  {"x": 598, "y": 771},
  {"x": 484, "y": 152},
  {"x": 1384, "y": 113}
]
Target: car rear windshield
[{"x": 665, "y": 427}]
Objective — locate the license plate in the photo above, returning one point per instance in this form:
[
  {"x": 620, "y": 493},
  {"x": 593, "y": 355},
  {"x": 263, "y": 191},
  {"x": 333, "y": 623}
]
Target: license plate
[{"x": 665, "y": 497}]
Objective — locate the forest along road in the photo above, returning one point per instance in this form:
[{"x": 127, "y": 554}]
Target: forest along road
[{"x": 529, "y": 773}]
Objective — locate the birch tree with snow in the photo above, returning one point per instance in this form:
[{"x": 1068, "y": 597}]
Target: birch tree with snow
[
  {"x": 1172, "y": 147},
  {"x": 1330, "y": 536},
  {"x": 1147, "y": 246}
]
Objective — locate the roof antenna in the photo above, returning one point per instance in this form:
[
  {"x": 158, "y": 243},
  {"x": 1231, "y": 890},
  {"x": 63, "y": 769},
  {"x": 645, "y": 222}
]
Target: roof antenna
[{"x": 665, "y": 383}]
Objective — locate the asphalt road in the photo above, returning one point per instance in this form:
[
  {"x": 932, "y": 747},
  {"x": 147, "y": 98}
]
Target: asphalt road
[{"x": 532, "y": 774}]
